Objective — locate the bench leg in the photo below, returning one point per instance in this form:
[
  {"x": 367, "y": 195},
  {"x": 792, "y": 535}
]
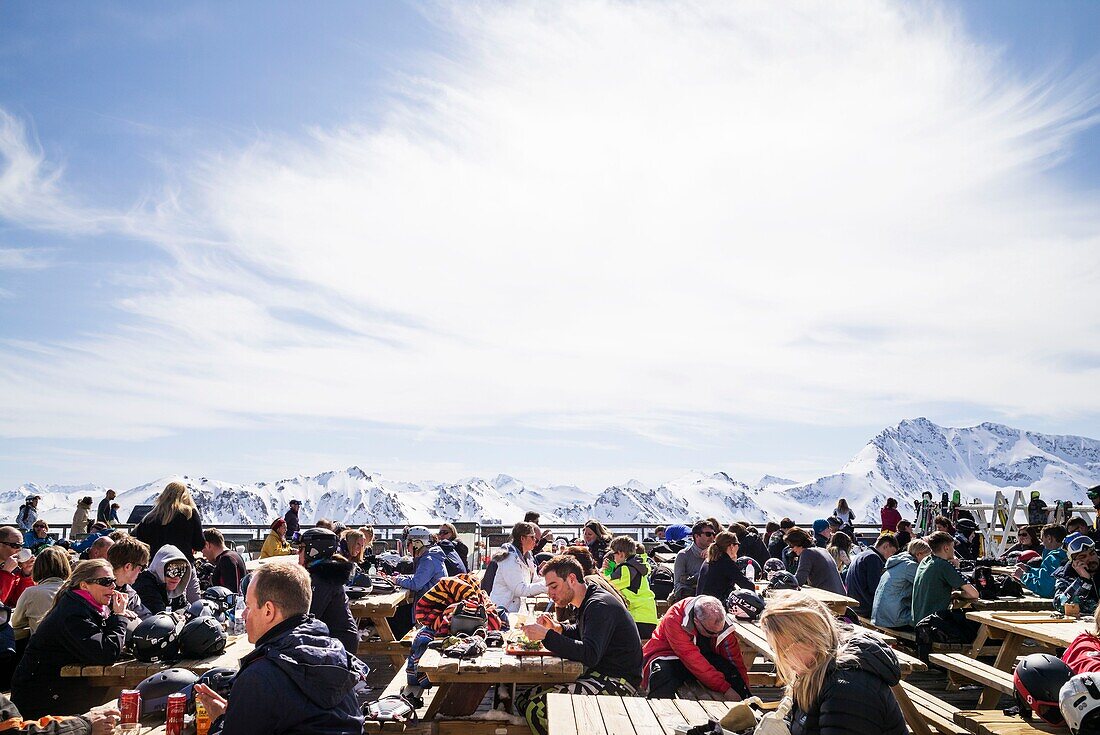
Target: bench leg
[
  {"x": 979, "y": 641},
  {"x": 1005, "y": 658},
  {"x": 916, "y": 722},
  {"x": 437, "y": 700}
]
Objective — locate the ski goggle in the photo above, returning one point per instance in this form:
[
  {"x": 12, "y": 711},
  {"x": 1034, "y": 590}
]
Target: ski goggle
[
  {"x": 1078, "y": 542},
  {"x": 176, "y": 571}
]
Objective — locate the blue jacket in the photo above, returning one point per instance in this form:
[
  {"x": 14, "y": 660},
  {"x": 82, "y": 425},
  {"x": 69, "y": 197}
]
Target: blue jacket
[
  {"x": 452, "y": 560},
  {"x": 35, "y": 544},
  {"x": 893, "y": 607},
  {"x": 1041, "y": 580},
  {"x": 298, "y": 680},
  {"x": 430, "y": 567},
  {"x": 862, "y": 579}
]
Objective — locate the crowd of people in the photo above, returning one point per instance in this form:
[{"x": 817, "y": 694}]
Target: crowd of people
[{"x": 73, "y": 601}]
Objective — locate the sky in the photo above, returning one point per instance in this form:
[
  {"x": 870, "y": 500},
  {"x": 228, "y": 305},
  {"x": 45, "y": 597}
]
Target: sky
[{"x": 578, "y": 242}]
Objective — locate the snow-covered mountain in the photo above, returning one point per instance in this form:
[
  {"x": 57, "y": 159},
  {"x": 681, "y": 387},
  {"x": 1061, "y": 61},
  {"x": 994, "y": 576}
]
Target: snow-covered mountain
[{"x": 902, "y": 462}]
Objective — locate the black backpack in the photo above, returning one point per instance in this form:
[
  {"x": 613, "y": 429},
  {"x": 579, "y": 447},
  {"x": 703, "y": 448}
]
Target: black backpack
[
  {"x": 661, "y": 582},
  {"x": 945, "y": 626}
]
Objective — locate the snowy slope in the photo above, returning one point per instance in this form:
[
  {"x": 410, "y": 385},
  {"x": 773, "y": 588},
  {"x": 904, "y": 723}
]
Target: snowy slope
[{"x": 902, "y": 461}]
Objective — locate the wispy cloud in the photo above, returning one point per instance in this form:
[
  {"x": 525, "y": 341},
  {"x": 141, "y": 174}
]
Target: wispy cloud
[{"x": 638, "y": 212}]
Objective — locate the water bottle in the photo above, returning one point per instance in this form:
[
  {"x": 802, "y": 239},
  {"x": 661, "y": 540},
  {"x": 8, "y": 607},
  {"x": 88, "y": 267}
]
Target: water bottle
[{"x": 238, "y": 616}]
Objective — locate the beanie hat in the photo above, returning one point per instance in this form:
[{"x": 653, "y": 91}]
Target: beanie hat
[{"x": 820, "y": 525}]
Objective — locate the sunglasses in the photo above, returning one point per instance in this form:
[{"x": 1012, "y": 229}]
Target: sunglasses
[
  {"x": 13, "y": 544},
  {"x": 175, "y": 572},
  {"x": 708, "y": 534},
  {"x": 103, "y": 581}
]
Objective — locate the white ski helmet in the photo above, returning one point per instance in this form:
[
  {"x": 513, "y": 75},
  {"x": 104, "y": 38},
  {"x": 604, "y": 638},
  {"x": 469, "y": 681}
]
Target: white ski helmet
[{"x": 1079, "y": 701}]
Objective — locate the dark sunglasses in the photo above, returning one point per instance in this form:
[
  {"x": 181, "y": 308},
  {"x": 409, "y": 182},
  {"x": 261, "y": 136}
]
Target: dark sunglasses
[
  {"x": 13, "y": 544},
  {"x": 708, "y": 534},
  {"x": 175, "y": 572},
  {"x": 103, "y": 581}
]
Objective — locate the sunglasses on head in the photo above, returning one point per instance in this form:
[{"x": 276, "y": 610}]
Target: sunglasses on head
[
  {"x": 103, "y": 581},
  {"x": 175, "y": 572}
]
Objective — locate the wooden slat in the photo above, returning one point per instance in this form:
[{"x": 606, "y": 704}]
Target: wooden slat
[
  {"x": 975, "y": 670},
  {"x": 667, "y": 714},
  {"x": 642, "y": 717},
  {"x": 589, "y": 719},
  {"x": 615, "y": 717},
  {"x": 693, "y": 712},
  {"x": 717, "y": 710},
  {"x": 559, "y": 711}
]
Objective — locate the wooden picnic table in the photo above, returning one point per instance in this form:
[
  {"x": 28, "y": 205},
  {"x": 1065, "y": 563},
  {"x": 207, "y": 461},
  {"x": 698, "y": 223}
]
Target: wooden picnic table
[
  {"x": 575, "y": 714},
  {"x": 1027, "y": 603},
  {"x": 754, "y": 643},
  {"x": 129, "y": 672},
  {"x": 254, "y": 564},
  {"x": 378, "y": 609},
  {"x": 837, "y": 604},
  {"x": 1015, "y": 628},
  {"x": 996, "y": 722}
]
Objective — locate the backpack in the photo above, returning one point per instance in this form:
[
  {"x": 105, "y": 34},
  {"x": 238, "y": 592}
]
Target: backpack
[
  {"x": 489, "y": 577},
  {"x": 22, "y": 514},
  {"x": 391, "y": 708},
  {"x": 661, "y": 582},
  {"x": 945, "y": 626}
]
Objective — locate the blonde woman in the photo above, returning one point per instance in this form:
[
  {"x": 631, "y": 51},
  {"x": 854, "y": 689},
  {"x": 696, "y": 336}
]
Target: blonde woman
[
  {"x": 173, "y": 521},
  {"x": 86, "y": 625},
  {"x": 838, "y": 679},
  {"x": 51, "y": 569}
]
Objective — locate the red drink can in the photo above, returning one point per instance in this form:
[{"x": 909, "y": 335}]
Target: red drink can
[
  {"x": 129, "y": 705},
  {"x": 173, "y": 720}
]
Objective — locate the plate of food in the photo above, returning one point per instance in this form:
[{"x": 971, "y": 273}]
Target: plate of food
[{"x": 521, "y": 645}]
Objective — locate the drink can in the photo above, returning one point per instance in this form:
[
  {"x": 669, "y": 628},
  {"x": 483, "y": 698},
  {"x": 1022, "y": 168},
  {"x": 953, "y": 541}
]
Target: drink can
[
  {"x": 129, "y": 705},
  {"x": 202, "y": 719},
  {"x": 173, "y": 719}
]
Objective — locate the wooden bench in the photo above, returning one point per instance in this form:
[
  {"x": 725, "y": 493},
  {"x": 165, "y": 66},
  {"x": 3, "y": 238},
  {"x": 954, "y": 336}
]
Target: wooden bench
[
  {"x": 939, "y": 715},
  {"x": 911, "y": 638},
  {"x": 974, "y": 670},
  {"x": 996, "y": 722}
]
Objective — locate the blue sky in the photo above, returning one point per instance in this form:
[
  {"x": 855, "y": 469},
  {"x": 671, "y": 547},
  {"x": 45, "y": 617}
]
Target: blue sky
[{"x": 575, "y": 243}]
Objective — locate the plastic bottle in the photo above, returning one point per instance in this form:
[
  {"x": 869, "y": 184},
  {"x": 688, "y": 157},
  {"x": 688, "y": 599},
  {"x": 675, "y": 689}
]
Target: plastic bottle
[{"x": 238, "y": 616}]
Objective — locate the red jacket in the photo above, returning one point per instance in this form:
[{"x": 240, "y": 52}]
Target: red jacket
[
  {"x": 1083, "y": 655},
  {"x": 890, "y": 519},
  {"x": 672, "y": 639},
  {"x": 21, "y": 583},
  {"x": 8, "y": 583}
]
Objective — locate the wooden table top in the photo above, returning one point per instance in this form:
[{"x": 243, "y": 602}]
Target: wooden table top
[
  {"x": 570, "y": 714},
  {"x": 1044, "y": 604},
  {"x": 384, "y": 605},
  {"x": 1059, "y": 634},
  {"x": 254, "y": 564},
  {"x": 497, "y": 667},
  {"x": 996, "y": 722},
  {"x": 753, "y": 635},
  {"x": 133, "y": 671}
]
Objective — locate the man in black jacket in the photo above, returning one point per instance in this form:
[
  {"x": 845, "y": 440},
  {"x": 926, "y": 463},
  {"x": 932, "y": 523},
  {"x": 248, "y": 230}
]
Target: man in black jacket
[
  {"x": 329, "y": 572},
  {"x": 229, "y": 567},
  {"x": 604, "y": 638},
  {"x": 103, "y": 512},
  {"x": 298, "y": 680},
  {"x": 291, "y": 518}
]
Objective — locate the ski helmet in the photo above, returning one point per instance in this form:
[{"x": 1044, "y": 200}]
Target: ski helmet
[
  {"x": 1038, "y": 680},
  {"x": 1079, "y": 702},
  {"x": 745, "y": 605},
  {"x": 747, "y": 565},
  {"x": 783, "y": 581},
  {"x": 223, "y": 598},
  {"x": 774, "y": 565},
  {"x": 156, "y": 688},
  {"x": 202, "y": 637},
  {"x": 202, "y": 609},
  {"x": 419, "y": 533},
  {"x": 157, "y": 638},
  {"x": 318, "y": 543}
]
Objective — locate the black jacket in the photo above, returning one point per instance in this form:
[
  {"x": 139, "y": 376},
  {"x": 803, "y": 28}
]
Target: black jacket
[
  {"x": 330, "y": 601},
  {"x": 11, "y": 720},
  {"x": 598, "y": 549},
  {"x": 752, "y": 546},
  {"x": 73, "y": 632},
  {"x": 721, "y": 577},
  {"x": 182, "y": 532},
  {"x": 103, "y": 511},
  {"x": 855, "y": 698},
  {"x": 229, "y": 570},
  {"x": 292, "y": 525},
  {"x": 775, "y": 548},
  {"x": 605, "y": 638},
  {"x": 298, "y": 680}
]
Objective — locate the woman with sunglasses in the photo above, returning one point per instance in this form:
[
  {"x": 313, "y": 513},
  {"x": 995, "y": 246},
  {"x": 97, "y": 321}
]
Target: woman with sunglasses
[
  {"x": 448, "y": 537},
  {"x": 163, "y": 586},
  {"x": 38, "y": 537},
  {"x": 720, "y": 574},
  {"x": 1027, "y": 540},
  {"x": 86, "y": 626}
]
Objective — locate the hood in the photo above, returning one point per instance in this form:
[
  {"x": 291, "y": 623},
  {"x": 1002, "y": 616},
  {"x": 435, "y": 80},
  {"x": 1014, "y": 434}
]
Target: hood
[
  {"x": 333, "y": 571},
  {"x": 315, "y": 662},
  {"x": 505, "y": 549},
  {"x": 166, "y": 554},
  {"x": 637, "y": 565},
  {"x": 872, "y": 656},
  {"x": 898, "y": 559},
  {"x": 447, "y": 545}
]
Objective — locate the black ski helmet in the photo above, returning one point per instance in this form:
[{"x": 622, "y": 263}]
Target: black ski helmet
[
  {"x": 748, "y": 566},
  {"x": 157, "y": 638},
  {"x": 774, "y": 565},
  {"x": 1038, "y": 680},
  {"x": 783, "y": 581},
  {"x": 318, "y": 543},
  {"x": 202, "y": 637},
  {"x": 202, "y": 609},
  {"x": 156, "y": 688},
  {"x": 745, "y": 604},
  {"x": 223, "y": 597}
]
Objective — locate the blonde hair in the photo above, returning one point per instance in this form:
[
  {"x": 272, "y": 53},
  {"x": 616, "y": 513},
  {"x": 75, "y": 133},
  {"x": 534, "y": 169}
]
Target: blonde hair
[
  {"x": 722, "y": 541},
  {"x": 84, "y": 571},
  {"x": 175, "y": 499},
  {"x": 795, "y": 620},
  {"x": 353, "y": 535},
  {"x": 918, "y": 546}
]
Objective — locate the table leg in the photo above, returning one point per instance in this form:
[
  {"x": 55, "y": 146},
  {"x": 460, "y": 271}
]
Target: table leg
[
  {"x": 437, "y": 700},
  {"x": 385, "y": 634},
  {"x": 913, "y": 716},
  {"x": 1010, "y": 649},
  {"x": 979, "y": 641}
]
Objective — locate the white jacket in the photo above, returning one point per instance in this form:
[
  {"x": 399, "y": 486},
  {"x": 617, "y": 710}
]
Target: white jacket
[
  {"x": 515, "y": 580},
  {"x": 33, "y": 605}
]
